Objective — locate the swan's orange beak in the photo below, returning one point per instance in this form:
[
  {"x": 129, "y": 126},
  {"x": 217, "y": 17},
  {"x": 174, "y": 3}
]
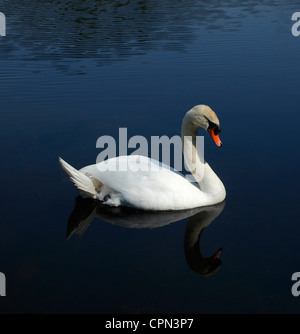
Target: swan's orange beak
[{"x": 216, "y": 138}]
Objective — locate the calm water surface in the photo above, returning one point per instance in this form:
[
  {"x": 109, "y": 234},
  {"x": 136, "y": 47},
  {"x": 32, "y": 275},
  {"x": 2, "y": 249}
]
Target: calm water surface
[{"x": 71, "y": 72}]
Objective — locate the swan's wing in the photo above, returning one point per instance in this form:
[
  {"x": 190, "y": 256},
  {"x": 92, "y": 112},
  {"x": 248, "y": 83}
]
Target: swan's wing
[
  {"x": 84, "y": 182},
  {"x": 143, "y": 183},
  {"x": 132, "y": 172}
]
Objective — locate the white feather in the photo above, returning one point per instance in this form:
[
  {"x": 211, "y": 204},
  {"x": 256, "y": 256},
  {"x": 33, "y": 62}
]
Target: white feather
[{"x": 82, "y": 181}]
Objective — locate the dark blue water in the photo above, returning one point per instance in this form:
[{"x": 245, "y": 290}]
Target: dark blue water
[{"x": 72, "y": 72}]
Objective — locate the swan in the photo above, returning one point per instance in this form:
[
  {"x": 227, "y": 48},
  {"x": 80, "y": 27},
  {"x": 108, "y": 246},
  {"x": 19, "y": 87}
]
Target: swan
[{"x": 143, "y": 185}]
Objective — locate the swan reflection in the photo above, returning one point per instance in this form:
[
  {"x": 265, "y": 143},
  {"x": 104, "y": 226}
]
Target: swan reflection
[{"x": 87, "y": 209}]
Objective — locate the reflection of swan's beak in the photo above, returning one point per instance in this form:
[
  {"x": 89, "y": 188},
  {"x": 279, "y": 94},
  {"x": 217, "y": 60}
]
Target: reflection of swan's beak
[{"x": 217, "y": 254}]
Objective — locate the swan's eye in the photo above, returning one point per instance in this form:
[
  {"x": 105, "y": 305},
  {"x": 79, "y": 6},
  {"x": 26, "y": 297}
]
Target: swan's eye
[
  {"x": 217, "y": 129},
  {"x": 213, "y": 126}
]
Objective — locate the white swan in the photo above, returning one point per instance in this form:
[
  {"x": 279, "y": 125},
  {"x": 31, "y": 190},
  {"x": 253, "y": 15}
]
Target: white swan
[{"x": 145, "y": 187}]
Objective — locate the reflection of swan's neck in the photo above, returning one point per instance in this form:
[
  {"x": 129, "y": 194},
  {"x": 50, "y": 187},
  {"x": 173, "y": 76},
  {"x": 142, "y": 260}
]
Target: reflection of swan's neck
[
  {"x": 193, "y": 152},
  {"x": 203, "y": 266}
]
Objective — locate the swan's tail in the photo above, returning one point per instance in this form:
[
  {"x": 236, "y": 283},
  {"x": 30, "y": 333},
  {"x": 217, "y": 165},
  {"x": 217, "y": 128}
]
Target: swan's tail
[{"x": 87, "y": 184}]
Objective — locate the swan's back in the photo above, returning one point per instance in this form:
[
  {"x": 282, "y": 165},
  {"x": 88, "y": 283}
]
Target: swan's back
[{"x": 144, "y": 183}]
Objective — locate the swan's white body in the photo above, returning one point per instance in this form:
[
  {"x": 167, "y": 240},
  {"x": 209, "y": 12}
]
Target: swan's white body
[{"x": 144, "y": 183}]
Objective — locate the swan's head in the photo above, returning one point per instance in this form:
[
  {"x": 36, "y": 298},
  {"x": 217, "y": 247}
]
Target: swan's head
[{"x": 203, "y": 116}]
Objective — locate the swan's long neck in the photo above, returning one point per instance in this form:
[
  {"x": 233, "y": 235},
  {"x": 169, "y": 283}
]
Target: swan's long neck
[{"x": 193, "y": 152}]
